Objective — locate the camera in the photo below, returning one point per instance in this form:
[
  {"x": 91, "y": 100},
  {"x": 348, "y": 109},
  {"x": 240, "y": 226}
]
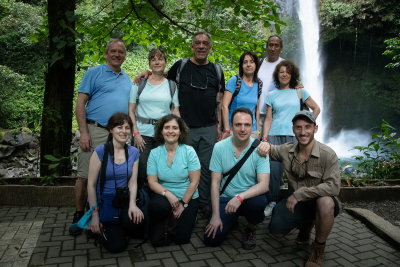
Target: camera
[{"x": 121, "y": 198}]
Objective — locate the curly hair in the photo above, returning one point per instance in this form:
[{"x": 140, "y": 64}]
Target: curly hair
[
  {"x": 291, "y": 68},
  {"x": 167, "y": 118}
]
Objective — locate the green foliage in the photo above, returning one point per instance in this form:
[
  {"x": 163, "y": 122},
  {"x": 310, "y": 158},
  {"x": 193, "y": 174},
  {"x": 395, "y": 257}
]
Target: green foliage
[
  {"x": 337, "y": 17},
  {"x": 358, "y": 16},
  {"x": 393, "y": 50},
  {"x": 21, "y": 101},
  {"x": 234, "y": 25},
  {"x": 22, "y": 65},
  {"x": 380, "y": 159},
  {"x": 55, "y": 163}
]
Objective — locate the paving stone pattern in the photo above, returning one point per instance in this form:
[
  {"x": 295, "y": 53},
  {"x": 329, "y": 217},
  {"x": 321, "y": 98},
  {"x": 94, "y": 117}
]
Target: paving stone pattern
[{"x": 38, "y": 236}]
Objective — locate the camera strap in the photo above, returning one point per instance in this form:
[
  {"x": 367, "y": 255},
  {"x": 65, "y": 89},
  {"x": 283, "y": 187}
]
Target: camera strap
[{"x": 109, "y": 149}]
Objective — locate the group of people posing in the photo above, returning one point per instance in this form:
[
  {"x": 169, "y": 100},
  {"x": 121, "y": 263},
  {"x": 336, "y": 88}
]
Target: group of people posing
[{"x": 196, "y": 147}]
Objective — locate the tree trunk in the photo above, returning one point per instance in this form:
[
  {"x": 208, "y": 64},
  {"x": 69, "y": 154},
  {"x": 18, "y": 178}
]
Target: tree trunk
[{"x": 55, "y": 137}]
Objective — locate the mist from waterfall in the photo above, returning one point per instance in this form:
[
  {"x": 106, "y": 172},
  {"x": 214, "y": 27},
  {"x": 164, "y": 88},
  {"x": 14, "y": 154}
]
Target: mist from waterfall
[{"x": 313, "y": 81}]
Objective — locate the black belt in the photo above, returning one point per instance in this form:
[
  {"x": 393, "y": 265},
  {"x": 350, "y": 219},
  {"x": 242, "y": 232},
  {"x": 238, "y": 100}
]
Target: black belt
[
  {"x": 95, "y": 123},
  {"x": 146, "y": 121}
]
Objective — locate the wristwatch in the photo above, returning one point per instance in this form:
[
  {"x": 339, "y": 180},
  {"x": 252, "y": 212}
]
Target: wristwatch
[{"x": 184, "y": 204}]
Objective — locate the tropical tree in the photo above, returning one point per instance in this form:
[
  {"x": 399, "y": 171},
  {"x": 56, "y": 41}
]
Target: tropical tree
[{"x": 233, "y": 24}]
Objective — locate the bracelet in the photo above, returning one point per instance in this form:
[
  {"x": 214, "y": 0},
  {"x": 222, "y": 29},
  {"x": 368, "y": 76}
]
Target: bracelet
[
  {"x": 96, "y": 210},
  {"x": 239, "y": 198},
  {"x": 164, "y": 192},
  {"x": 227, "y": 131},
  {"x": 136, "y": 133},
  {"x": 265, "y": 138}
]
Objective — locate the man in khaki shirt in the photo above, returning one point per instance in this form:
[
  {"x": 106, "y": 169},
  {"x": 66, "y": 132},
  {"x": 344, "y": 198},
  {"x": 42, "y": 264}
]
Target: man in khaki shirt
[{"x": 312, "y": 170}]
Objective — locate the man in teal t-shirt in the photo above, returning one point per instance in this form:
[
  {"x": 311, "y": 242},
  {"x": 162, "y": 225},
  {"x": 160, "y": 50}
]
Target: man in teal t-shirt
[{"x": 245, "y": 194}]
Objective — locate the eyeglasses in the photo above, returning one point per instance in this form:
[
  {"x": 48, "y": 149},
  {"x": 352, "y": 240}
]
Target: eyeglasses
[
  {"x": 198, "y": 43},
  {"x": 198, "y": 86},
  {"x": 299, "y": 170}
]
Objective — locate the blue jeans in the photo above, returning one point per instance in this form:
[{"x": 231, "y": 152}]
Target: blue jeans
[{"x": 252, "y": 209}]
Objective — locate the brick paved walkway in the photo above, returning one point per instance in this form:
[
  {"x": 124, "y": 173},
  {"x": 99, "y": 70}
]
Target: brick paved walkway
[{"x": 38, "y": 236}]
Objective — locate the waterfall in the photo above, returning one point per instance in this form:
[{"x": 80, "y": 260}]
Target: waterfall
[
  {"x": 311, "y": 66},
  {"x": 313, "y": 81}
]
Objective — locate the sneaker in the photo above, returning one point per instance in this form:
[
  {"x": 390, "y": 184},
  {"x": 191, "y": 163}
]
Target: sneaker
[
  {"x": 316, "y": 257},
  {"x": 269, "y": 208},
  {"x": 303, "y": 238},
  {"x": 73, "y": 229},
  {"x": 249, "y": 240}
]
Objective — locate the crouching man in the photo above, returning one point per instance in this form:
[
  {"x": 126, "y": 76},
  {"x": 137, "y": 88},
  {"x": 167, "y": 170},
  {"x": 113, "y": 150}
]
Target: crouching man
[
  {"x": 245, "y": 193},
  {"x": 312, "y": 170}
]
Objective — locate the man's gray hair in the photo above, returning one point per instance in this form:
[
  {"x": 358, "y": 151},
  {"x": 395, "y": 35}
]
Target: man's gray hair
[
  {"x": 112, "y": 41},
  {"x": 277, "y": 36},
  {"x": 202, "y": 33}
]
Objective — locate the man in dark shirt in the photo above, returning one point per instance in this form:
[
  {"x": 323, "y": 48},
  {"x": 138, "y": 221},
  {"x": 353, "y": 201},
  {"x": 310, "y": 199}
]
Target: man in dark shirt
[{"x": 200, "y": 86}]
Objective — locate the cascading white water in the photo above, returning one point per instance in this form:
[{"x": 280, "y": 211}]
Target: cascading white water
[
  {"x": 311, "y": 67},
  {"x": 312, "y": 79}
]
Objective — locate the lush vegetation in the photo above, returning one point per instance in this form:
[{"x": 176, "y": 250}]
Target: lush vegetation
[
  {"x": 359, "y": 31},
  {"x": 379, "y": 160}
]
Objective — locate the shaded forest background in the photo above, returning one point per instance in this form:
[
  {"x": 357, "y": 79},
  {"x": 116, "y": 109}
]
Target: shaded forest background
[{"x": 360, "y": 90}]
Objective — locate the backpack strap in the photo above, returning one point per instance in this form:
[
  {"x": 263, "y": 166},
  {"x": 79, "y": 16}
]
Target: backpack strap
[
  {"x": 178, "y": 71},
  {"x": 232, "y": 172},
  {"x": 238, "y": 84},
  {"x": 172, "y": 89},
  {"x": 218, "y": 70},
  {"x": 103, "y": 168},
  {"x": 141, "y": 86},
  {"x": 260, "y": 86},
  {"x": 303, "y": 105}
]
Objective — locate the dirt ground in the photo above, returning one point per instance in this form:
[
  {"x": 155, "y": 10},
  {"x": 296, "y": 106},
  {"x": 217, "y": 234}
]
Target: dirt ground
[{"x": 389, "y": 210}]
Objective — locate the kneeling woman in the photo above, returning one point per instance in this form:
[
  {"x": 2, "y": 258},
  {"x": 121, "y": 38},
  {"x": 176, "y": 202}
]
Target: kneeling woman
[
  {"x": 116, "y": 192},
  {"x": 173, "y": 173}
]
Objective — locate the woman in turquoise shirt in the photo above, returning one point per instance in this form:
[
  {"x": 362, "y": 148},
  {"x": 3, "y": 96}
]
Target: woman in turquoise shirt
[
  {"x": 173, "y": 174},
  {"x": 247, "y": 96},
  {"x": 156, "y": 100},
  {"x": 282, "y": 104}
]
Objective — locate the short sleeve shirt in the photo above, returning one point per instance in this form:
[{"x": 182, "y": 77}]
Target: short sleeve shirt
[
  {"x": 285, "y": 104},
  {"x": 154, "y": 103},
  {"x": 174, "y": 178},
  {"x": 108, "y": 93},
  {"x": 246, "y": 98},
  {"x": 198, "y": 89},
  {"x": 223, "y": 159}
]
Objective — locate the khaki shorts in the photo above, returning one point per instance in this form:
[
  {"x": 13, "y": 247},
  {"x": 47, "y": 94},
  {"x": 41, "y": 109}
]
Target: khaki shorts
[{"x": 99, "y": 137}]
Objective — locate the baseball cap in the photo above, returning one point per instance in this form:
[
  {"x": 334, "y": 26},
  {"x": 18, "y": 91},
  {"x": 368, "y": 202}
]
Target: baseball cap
[{"x": 304, "y": 114}]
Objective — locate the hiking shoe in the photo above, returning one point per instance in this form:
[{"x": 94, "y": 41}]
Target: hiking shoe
[
  {"x": 73, "y": 229},
  {"x": 303, "y": 238},
  {"x": 249, "y": 240},
  {"x": 316, "y": 257},
  {"x": 269, "y": 208}
]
